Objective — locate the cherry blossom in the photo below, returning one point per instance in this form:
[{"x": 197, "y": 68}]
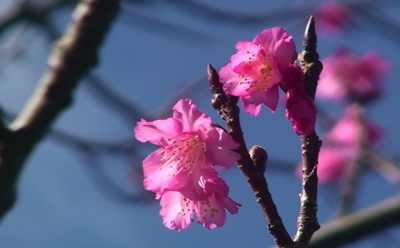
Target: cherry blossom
[
  {"x": 351, "y": 78},
  {"x": 190, "y": 147},
  {"x": 354, "y": 130},
  {"x": 254, "y": 72}
]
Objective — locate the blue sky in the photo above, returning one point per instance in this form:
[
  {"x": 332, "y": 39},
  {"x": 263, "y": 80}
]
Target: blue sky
[{"x": 60, "y": 204}]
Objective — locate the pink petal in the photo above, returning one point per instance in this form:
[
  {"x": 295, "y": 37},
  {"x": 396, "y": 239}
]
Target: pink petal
[
  {"x": 219, "y": 187},
  {"x": 216, "y": 185},
  {"x": 156, "y": 132},
  {"x": 242, "y": 67},
  {"x": 189, "y": 118},
  {"x": 329, "y": 87},
  {"x": 176, "y": 211},
  {"x": 243, "y": 50},
  {"x": 232, "y": 79},
  {"x": 351, "y": 129},
  {"x": 231, "y": 205},
  {"x": 158, "y": 176},
  {"x": 271, "y": 97},
  {"x": 212, "y": 213},
  {"x": 252, "y": 103},
  {"x": 226, "y": 73},
  {"x": 192, "y": 188},
  {"x": 300, "y": 109},
  {"x": 219, "y": 147},
  {"x": 278, "y": 44},
  {"x": 376, "y": 61}
]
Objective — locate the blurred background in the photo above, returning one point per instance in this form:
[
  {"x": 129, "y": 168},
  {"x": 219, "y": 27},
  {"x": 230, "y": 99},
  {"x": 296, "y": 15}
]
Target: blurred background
[{"x": 82, "y": 185}]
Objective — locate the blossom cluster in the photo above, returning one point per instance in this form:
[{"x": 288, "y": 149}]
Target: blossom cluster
[{"x": 182, "y": 171}]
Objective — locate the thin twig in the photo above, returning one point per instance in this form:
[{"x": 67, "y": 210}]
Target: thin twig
[
  {"x": 72, "y": 57},
  {"x": 226, "y": 106},
  {"x": 307, "y": 222}
]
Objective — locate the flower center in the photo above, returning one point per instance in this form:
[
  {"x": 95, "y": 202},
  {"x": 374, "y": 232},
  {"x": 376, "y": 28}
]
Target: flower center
[
  {"x": 258, "y": 71},
  {"x": 185, "y": 151},
  {"x": 266, "y": 69}
]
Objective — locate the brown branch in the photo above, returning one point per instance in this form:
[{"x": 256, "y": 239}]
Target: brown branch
[
  {"x": 307, "y": 222},
  {"x": 72, "y": 57},
  {"x": 226, "y": 106}
]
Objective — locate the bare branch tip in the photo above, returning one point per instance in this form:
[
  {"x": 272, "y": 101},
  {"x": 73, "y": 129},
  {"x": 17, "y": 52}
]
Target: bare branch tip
[
  {"x": 212, "y": 76},
  {"x": 211, "y": 71},
  {"x": 310, "y": 28}
]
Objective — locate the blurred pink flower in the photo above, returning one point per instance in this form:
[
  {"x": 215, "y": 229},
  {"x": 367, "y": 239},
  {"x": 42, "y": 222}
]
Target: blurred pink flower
[
  {"x": 347, "y": 77},
  {"x": 331, "y": 162},
  {"x": 179, "y": 211},
  {"x": 190, "y": 147},
  {"x": 256, "y": 69},
  {"x": 300, "y": 107},
  {"x": 351, "y": 129},
  {"x": 332, "y": 17}
]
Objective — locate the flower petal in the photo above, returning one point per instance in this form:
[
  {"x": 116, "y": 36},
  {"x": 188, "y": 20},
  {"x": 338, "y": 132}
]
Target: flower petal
[
  {"x": 279, "y": 44},
  {"x": 232, "y": 79},
  {"x": 231, "y": 205},
  {"x": 192, "y": 183},
  {"x": 244, "y": 48},
  {"x": 252, "y": 103},
  {"x": 176, "y": 211},
  {"x": 300, "y": 109},
  {"x": 189, "y": 118},
  {"x": 156, "y": 132},
  {"x": 219, "y": 145},
  {"x": 271, "y": 97},
  {"x": 211, "y": 213},
  {"x": 158, "y": 175}
]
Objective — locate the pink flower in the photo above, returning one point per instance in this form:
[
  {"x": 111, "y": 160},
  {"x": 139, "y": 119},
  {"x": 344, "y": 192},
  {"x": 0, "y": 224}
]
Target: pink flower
[
  {"x": 351, "y": 130},
  {"x": 179, "y": 211},
  {"x": 347, "y": 77},
  {"x": 332, "y": 16},
  {"x": 300, "y": 107},
  {"x": 331, "y": 162},
  {"x": 256, "y": 69},
  {"x": 189, "y": 148}
]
